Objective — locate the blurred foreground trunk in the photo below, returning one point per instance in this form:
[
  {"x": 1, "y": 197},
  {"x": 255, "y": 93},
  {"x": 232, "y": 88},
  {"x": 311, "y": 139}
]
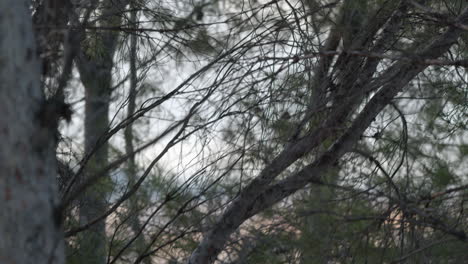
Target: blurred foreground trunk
[{"x": 30, "y": 229}]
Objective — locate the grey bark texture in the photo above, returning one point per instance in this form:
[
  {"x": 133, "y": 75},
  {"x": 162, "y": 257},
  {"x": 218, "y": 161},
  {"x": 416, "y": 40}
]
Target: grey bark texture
[{"x": 30, "y": 229}]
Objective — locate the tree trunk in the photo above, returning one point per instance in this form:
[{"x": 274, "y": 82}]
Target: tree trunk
[
  {"x": 95, "y": 64},
  {"x": 30, "y": 229},
  {"x": 93, "y": 202},
  {"x": 128, "y": 135}
]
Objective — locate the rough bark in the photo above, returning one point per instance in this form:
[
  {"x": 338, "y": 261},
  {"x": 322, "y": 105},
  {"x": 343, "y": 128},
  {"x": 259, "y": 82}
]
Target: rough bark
[{"x": 30, "y": 229}]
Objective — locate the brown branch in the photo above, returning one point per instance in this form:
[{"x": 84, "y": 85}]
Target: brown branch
[
  {"x": 409, "y": 59},
  {"x": 256, "y": 197}
]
